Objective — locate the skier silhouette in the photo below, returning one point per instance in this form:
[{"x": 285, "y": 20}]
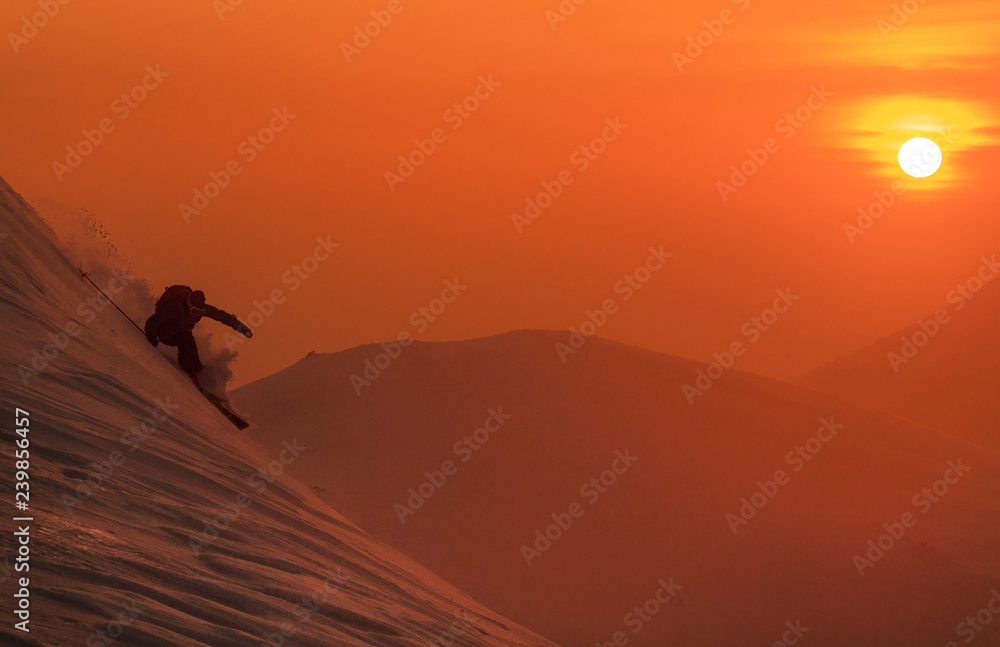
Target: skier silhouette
[{"x": 177, "y": 311}]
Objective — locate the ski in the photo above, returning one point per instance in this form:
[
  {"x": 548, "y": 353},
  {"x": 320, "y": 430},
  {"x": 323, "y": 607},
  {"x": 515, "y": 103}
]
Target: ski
[{"x": 220, "y": 404}]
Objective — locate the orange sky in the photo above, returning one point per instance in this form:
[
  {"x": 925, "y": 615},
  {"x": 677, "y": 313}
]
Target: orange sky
[{"x": 656, "y": 184}]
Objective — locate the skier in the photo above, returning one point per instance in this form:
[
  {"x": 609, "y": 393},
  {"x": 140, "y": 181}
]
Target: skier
[{"x": 178, "y": 309}]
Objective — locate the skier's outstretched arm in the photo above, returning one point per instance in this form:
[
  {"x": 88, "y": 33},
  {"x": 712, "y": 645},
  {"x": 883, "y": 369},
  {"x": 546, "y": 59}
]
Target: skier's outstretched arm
[{"x": 229, "y": 319}]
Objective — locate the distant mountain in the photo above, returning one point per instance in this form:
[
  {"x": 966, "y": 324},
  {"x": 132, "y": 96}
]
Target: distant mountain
[
  {"x": 943, "y": 371},
  {"x": 464, "y": 455}
]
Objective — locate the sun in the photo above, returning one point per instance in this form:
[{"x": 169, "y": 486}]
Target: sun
[
  {"x": 877, "y": 127},
  {"x": 920, "y": 157}
]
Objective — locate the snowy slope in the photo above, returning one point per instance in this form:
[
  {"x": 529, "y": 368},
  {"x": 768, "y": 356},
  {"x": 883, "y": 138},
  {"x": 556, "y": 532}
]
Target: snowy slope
[
  {"x": 116, "y": 505},
  {"x": 665, "y": 516}
]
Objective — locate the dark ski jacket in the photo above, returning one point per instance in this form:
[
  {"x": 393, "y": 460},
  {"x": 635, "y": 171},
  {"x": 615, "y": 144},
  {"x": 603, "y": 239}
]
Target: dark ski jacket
[{"x": 174, "y": 318}]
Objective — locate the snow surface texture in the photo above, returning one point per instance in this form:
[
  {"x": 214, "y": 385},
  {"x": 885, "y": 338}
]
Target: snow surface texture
[
  {"x": 666, "y": 516},
  {"x": 117, "y": 508}
]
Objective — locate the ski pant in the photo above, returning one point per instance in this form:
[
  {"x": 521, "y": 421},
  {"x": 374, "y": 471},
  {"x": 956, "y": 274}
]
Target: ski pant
[{"x": 187, "y": 352}]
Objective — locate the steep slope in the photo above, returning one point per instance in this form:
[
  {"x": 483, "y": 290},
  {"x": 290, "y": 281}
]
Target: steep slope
[
  {"x": 154, "y": 523},
  {"x": 942, "y": 373},
  {"x": 663, "y": 517}
]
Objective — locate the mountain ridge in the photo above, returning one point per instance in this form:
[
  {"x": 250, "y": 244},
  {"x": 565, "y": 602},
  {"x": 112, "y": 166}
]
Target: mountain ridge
[{"x": 400, "y": 441}]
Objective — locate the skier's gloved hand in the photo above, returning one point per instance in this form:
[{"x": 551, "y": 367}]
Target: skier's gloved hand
[{"x": 245, "y": 330}]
